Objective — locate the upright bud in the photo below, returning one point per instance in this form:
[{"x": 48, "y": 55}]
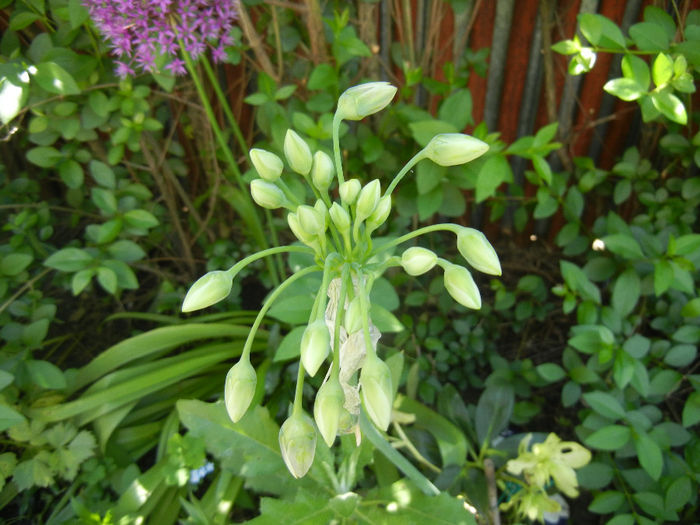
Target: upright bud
[
  {"x": 349, "y": 190},
  {"x": 417, "y": 260},
  {"x": 360, "y": 101},
  {"x": 310, "y": 221},
  {"x": 267, "y": 195},
  {"x": 267, "y": 164},
  {"x": 380, "y": 213},
  {"x": 297, "y": 230},
  {"x": 377, "y": 391},
  {"x": 297, "y": 152},
  {"x": 461, "y": 286},
  {"x": 340, "y": 217},
  {"x": 328, "y": 409},
  {"x": 367, "y": 200},
  {"x": 239, "y": 389},
  {"x": 322, "y": 171},
  {"x": 322, "y": 211},
  {"x": 478, "y": 252},
  {"x": 209, "y": 289},
  {"x": 315, "y": 346},
  {"x": 450, "y": 149},
  {"x": 298, "y": 444},
  {"x": 353, "y": 316}
]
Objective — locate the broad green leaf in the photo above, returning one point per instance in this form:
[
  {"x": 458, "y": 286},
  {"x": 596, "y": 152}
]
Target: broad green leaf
[
  {"x": 103, "y": 174},
  {"x": 605, "y": 405},
  {"x": 71, "y": 173},
  {"x": 105, "y": 200},
  {"x": 9, "y": 417},
  {"x": 687, "y": 334},
  {"x": 493, "y": 412},
  {"x": 611, "y": 437},
  {"x": 107, "y": 279},
  {"x": 681, "y": 355},
  {"x": 127, "y": 251},
  {"x": 649, "y": 454},
  {"x": 429, "y": 203},
  {"x": 424, "y": 131},
  {"x": 68, "y": 260},
  {"x": 567, "y": 47},
  {"x": 623, "y": 245},
  {"x": 293, "y": 309},
  {"x": 289, "y": 347},
  {"x": 607, "y": 502},
  {"x": 687, "y": 244},
  {"x": 15, "y": 263},
  {"x": 551, "y": 372},
  {"x": 77, "y": 13},
  {"x": 140, "y": 219},
  {"x": 384, "y": 320},
  {"x": 428, "y": 176},
  {"x": 44, "y": 156},
  {"x": 662, "y": 70},
  {"x": 457, "y": 109},
  {"x": 670, "y": 106},
  {"x": 626, "y": 292},
  {"x": 678, "y": 493},
  {"x": 636, "y": 69},
  {"x": 323, "y": 76},
  {"x": 601, "y": 31},
  {"x": 691, "y": 308},
  {"x": 649, "y": 36},
  {"x": 691, "y": 410},
  {"x": 35, "y": 472},
  {"x": 6, "y": 378},
  {"x": 54, "y": 79},
  {"x": 624, "y": 88},
  {"x": 577, "y": 280},
  {"x": 46, "y": 375},
  {"x": 305, "y": 508},
  {"x": 22, "y": 19},
  {"x": 384, "y": 294},
  {"x": 595, "y": 475},
  {"x": 494, "y": 172},
  {"x": 663, "y": 276}
]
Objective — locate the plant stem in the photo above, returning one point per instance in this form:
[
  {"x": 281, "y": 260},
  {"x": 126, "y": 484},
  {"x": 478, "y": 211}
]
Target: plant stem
[
  {"x": 339, "y": 310},
  {"x": 454, "y": 228},
  {"x": 264, "y": 253},
  {"x": 336, "y": 148},
  {"x": 296, "y": 410},
  {"x": 400, "y": 175}
]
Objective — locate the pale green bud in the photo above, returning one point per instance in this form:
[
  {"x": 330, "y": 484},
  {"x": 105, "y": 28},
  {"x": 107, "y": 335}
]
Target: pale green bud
[
  {"x": 322, "y": 171},
  {"x": 367, "y": 200},
  {"x": 297, "y": 152},
  {"x": 377, "y": 391},
  {"x": 360, "y": 101},
  {"x": 268, "y": 165},
  {"x": 340, "y": 217},
  {"x": 311, "y": 221},
  {"x": 349, "y": 190},
  {"x": 328, "y": 409},
  {"x": 239, "y": 389},
  {"x": 461, "y": 286},
  {"x": 380, "y": 213},
  {"x": 297, "y": 230},
  {"x": 315, "y": 346},
  {"x": 267, "y": 194},
  {"x": 322, "y": 211},
  {"x": 450, "y": 149},
  {"x": 209, "y": 289},
  {"x": 478, "y": 252},
  {"x": 298, "y": 444},
  {"x": 353, "y": 316},
  {"x": 417, "y": 260}
]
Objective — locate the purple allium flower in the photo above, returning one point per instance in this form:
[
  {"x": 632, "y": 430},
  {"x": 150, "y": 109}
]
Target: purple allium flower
[{"x": 139, "y": 31}]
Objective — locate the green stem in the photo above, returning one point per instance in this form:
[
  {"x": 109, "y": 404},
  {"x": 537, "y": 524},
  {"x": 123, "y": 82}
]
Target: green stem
[
  {"x": 336, "y": 148},
  {"x": 296, "y": 410},
  {"x": 371, "y": 352},
  {"x": 454, "y": 228},
  {"x": 339, "y": 311},
  {"x": 400, "y": 175},
  {"x": 264, "y": 253}
]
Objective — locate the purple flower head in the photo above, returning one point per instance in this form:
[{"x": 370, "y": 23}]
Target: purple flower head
[{"x": 139, "y": 31}]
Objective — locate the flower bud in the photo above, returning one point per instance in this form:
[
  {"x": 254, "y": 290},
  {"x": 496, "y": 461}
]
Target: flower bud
[
  {"x": 450, "y": 149},
  {"x": 417, "y": 260},
  {"x": 461, "y": 286},
  {"x": 209, "y": 289},
  {"x": 340, "y": 217},
  {"x": 367, "y": 200},
  {"x": 328, "y": 409},
  {"x": 239, "y": 389},
  {"x": 298, "y": 444},
  {"x": 353, "y": 316},
  {"x": 315, "y": 346},
  {"x": 349, "y": 190},
  {"x": 322, "y": 211},
  {"x": 322, "y": 171},
  {"x": 377, "y": 391},
  {"x": 310, "y": 221},
  {"x": 380, "y": 213},
  {"x": 297, "y": 152},
  {"x": 478, "y": 252},
  {"x": 267, "y": 164},
  {"x": 267, "y": 195},
  {"x": 297, "y": 230},
  {"x": 359, "y": 101}
]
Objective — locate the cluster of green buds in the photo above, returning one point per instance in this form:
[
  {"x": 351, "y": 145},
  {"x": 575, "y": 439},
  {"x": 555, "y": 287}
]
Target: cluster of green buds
[{"x": 336, "y": 229}]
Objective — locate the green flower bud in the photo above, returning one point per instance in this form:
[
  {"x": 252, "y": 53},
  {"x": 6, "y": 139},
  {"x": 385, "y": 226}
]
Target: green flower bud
[
  {"x": 311, "y": 221},
  {"x": 340, "y": 217},
  {"x": 367, "y": 200},
  {"x": 380, "y": 213},
  {"x": 322, "y": 171},
  {"x": 328, "y": 409},
  {"x": 297, "y": 152},
  {"x": 377, "y": 391},
  {"x": 417, "y": 260},
  {"x": 478, "y": 252},
  {"x": 239, "y": 389},
  {"x": 450, "y": 149},
  {"x": 298, "y": 231},
  {"x": 315, "y": 346},
  {"x": 360, "y": 101},
  {"x": 298, "y": 444},
  {"x": 461, "y": 286},
  {"x": 209, "y": 289},
  {"x": 267, "y": 194},
  {"x": 267, "y": 164},
  {"x": 349, "y": 190},
  {"x": 322, "y": 211},
  {"x": 353, "y": 316}
]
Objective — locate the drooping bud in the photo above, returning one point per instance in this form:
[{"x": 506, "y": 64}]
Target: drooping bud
[
  {"x": 322, "y": 171},
  {"x": 315, "y": 346},
  {"x": 297, "y": 152},
  {"x": 349, "y": 190},
  {"x": 268, "y": 165},
  {"x": 377, "y": 391},
  {"x": 417, "y": 260},
  {"x": 340, "y": 217},
  {"x": 267, "y": 194},
  {"x": 239, "y": 389},
  {"x": 310, "y": 221},
  {"x": 353, "y": 316},
  {"x": 298, "y": 443},
  {"x": 360, "y": 101},
  {"x": 461, "y": 286},
  {"x": 380, "y": 213},
  {"x": 328, "y": 409},
  {"x": 209, "y": 289},
  {"x": 478, "y": 252},
  {"x": 451, "y": 149},
  {"x": 367, "y": 200}
]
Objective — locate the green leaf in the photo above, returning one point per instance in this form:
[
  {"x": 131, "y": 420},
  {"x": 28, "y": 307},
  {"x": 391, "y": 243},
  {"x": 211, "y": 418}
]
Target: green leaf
[
  {"x": 687, "y": 334},
  {"x": 44, "y": 156},
  {"x": 457, "y": 109},
  {"x": 607, "y": 502},
  {"x": 6, "y": 378},
  {"x": 623, "y": 245},
  {"x": 384, "y": 320},
  {"x": 691, "y": 410},
  {"x": 691, "y": 308},
  {"x": 384, "y": 294},
  {"x": 126, "y": 250},
  {"x": 687, "y": 244},
  {"x": 103, "y": 174},
  {"x": 22, "y": 19},
  {"x": 294, "y": 309},
  {"x": 611, "y": 437},
  {"x": 424, "y": 131},
  {"x": 81, "y": 279},
  {"x": 649, "y": 36},
  {"x": 678, "y": 493},
  {"x": 140, "y": 219},
  {"x": 35, "y": 472},
  {"x": 35, "y": 332},
  {"x": 494, "y": 172},
  {"x": 12, "y": 98},
  {"x": 663, "y": 276},
  {"x": 542, "y": 168},
  {"x": 54, "y": 79},
  {"x": 626, "y": 292},
  {"x": 681, "y": 355},
  {"x": 71, "y": 173},
  {"x": 323, "y": 76},
  {"x": 601, "y": 31},
  {"x": 9, "y": 417},
  {"x": 428, "y": 176},
  {"x": 77, "y": 13},
  {"x": 605, "y": 404},
  {"x": 107, "y": 279},
  {"x": 15, "y": 263},
  {"x": 256, "y": 99},
  {"x": 46, "y": 375},
  {"x": 649, "y": 454},
  {"x": 285, "y": 92},
  {"x": 104, "y": 200},
  {"x": 289, "y": 347},
  {"x": 546, "y": 204},
  {"x": 551, "y": 372},
  {"x": 636, "y": 69},
  {"x": 670, "y": 106},
  {"x": 68, "y": 260},
  {"x": 567, "y": 47},
  {"x": 429, "y": 203},
  {"x": 493, "y": 411},
  {"x": 306, "y": 508},
  {"x": 624, "y": 88},
  {"x": 662, "y": 70},
  {"x": 577, "y": 280}
]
